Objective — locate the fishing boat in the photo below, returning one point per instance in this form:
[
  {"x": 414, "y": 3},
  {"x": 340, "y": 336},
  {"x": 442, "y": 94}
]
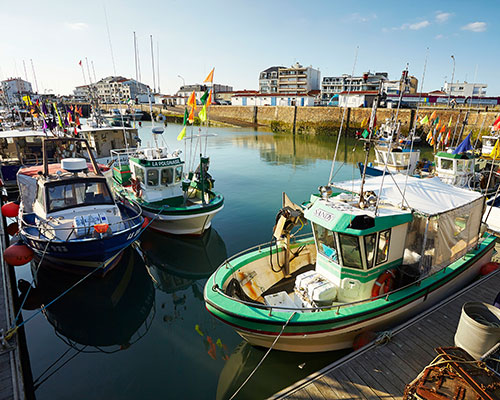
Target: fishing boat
[
  {"x": 154, "y": 177},
  {"x": 380, "y": 253},
  {"x": 68, "y": 215}
]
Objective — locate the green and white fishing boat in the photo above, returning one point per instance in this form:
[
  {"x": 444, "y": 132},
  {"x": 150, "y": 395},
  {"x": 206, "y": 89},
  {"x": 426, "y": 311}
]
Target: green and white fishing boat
[
  {"x": 178, "y": 202},
  {"x": 379, "y": 254}
]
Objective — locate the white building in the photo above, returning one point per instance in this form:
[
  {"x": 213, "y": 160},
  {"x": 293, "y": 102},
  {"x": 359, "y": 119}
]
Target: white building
[
  {"x": 334, "y": 85},
  {"x": 113, "y": 90},
  {"x": 465, "y": 89},
  {"x": 298, "y": 79},
  {"x": 252, "y": 98},
  {"x": 14, "y": 89},
  {"x": 357, "y": 99},
  {"x": 268, "y": 80}
]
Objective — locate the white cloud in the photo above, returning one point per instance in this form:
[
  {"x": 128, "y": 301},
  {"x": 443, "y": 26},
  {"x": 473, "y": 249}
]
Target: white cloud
[
  {"x": 442, "y": 17},
  {"x": 76, "y": 26},
  {"x": 356, "y": 17},
  {"x": 419, "y": 25},
  {"x": 475, "y": 27}
]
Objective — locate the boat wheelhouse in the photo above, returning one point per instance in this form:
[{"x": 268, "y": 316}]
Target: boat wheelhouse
[
  {"x": 456, "y": 169},
  {"x": 177, "y": 202},
  {"x": 488, "y": 142},
  {"x": 375, "y": 259},
  {"x": 68, "y": 215}
]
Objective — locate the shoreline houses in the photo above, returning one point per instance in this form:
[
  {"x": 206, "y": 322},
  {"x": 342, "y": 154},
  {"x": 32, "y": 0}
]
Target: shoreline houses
[{"x": 114, "y": 89}]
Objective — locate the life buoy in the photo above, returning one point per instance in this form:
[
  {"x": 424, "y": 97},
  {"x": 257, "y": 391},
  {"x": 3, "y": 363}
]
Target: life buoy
[
  {"x": 136, "y": 187},
  {"x": 384, "y": 283}
]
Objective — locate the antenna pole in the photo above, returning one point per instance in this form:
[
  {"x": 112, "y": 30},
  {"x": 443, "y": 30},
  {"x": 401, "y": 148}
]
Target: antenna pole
[
  {"x": 153, "y": 64},
  {"x": 158, "y": 64}
]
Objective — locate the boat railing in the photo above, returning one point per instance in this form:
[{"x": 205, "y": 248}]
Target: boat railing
[
  {"x": 330, "y": 307},
  {"x": 125, "y": 224}
]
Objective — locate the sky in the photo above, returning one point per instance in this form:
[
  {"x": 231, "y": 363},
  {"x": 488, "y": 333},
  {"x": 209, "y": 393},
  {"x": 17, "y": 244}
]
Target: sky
[{"x": 241, "y": 38}]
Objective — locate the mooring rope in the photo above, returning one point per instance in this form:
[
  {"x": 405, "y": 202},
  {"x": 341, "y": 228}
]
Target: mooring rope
[{"x": 263, "y": 358}]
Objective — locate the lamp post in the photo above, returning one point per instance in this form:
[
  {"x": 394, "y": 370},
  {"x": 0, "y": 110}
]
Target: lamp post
[
  {"x": 452, "y": 77},
  {"x": 183, "y": 81}
]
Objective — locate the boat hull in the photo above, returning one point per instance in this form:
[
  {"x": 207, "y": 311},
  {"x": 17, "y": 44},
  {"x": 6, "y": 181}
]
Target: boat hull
[
  {"x": 187, "y": 224},
  {"x": 337, "y": 328}
]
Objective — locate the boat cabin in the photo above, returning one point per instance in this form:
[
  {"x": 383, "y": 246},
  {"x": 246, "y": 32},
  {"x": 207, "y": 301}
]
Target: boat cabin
[
  {"x": 104, "y": 139},
  {"x": 488, "y": 142},
  {"x": 354, "y": 247},
  {"x": 397, "y": 159},
  {"x": 455, "y": 169}
]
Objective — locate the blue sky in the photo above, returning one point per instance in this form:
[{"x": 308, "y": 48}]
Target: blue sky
[{"x": 241, "y": 38}]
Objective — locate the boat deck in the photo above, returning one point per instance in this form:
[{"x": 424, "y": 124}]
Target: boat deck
[{"x": 383, "y": 371}]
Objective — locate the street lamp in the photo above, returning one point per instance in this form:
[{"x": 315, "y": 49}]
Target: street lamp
[
  {"x": 452, "y": 77},
  {"x": 183, "y": 81}
]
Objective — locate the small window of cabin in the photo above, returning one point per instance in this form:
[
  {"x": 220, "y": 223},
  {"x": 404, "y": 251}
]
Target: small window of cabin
[
  {"x": 167, "y": 176},
  {"x": 39, "y": 196},
  {"x": 370, "y": 241},
  {"x": 178, "y": 174},
  {"x": 383, "y": 246},
  {"x": 446, "y": 164},
  {"x": 326, "y": 243},
  {"x": 152, "y": 175},
  {"x": 139, "y": 173},
  {"x": 351, "y": 255}
]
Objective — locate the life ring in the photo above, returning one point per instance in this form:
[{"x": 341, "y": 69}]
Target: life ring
[
  {"x": 384, "y": 283},
  {"x": 136, "y": 187}
]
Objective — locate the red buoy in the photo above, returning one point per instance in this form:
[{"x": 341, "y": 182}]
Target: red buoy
[
  {"x": 363, "y": 339},
  {"x": 12, "y": 228},
  {"x": 489, "y": 268},
  {"x": 18, "y": 254},
  {"x": 10, "y": 209},
  {"x": 146, "y": 222}
]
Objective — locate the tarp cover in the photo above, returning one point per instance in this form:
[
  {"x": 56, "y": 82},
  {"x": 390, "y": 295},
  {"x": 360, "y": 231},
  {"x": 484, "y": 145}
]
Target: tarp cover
[{"x": 427, "y": 196}]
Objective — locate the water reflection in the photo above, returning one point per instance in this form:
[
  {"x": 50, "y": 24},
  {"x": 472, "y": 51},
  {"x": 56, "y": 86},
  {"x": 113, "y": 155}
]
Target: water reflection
[
  {"x": 279, "y": 370},
  {"x": 108, "y": 311}
]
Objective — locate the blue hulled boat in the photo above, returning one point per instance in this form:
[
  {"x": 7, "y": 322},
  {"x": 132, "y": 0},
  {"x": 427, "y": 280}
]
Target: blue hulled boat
[{"x": 68, "y": 215}]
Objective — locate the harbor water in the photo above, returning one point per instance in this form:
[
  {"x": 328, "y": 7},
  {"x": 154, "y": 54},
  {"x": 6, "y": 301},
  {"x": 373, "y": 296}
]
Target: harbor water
[{"x": 143, "y": 331}]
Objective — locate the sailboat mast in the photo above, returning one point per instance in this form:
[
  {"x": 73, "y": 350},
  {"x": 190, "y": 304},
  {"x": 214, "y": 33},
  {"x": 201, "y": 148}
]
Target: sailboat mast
[
  {"x": 34, "y": 75},
  {"x": 153, "y": 64},
  {"x": 136, "y": 68}
]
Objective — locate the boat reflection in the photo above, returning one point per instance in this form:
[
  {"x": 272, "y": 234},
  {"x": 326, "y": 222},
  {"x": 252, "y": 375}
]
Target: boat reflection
[
  {"x": 110, "y": 311},
  {"x": 279, "y": 370}
]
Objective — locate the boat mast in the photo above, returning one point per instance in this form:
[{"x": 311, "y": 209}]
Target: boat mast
[{"x": 153, "y": 64}]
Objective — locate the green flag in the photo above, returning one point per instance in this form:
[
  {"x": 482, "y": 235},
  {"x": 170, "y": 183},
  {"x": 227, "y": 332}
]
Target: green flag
[
  {"x": 436, "y": 121},
  {"x": 182, "y": 134},
  {"x": 186, "y": 116},
  {"x": 202, "y": 115},
  {"x": 365, "y": 133},
  {"x": 204, "y": 98},
  {"x": 424, "y": 120}
]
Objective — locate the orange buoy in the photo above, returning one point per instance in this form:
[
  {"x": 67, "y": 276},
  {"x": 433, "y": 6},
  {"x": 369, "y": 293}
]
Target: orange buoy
[
  {"x": 12, "y": 228},
  {"x": 146, "y": 222},
  {"x": 10, "y": 209},
  {"x": 18, "y": 254},
  {"x": 363, "y": 339},
  {"x": 489, "y": 268}
]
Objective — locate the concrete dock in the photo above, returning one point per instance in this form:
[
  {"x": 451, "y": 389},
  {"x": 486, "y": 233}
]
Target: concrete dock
[
  {"x": 11, "y": 365},
  {"x": 382, "y": 371}
]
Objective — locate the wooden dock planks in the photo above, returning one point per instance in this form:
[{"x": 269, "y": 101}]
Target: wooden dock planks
[{"x": 382, "y": 372}]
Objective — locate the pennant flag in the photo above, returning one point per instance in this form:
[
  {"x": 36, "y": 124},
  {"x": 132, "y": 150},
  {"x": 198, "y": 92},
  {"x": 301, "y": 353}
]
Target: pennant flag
[
  {"x": 76, "y": 132},
  {"x": 186, "y": 116},
  {"x": 191, "y": 115},
  {"x": 363, "y": 123},
  {"x": 27, "y": 100},
  {"x": 202, "y": 115},
  {"x": 182, "y": 134},
  {"x": 433, "y": 115},
  {"x": 497, "y": 120},
  {"x": 443, "y": 129},
  {"x": 436, "y": 121},
  {"x": 449, "y": 123},
  {"x": 80, "y": 63},
  {"x": 209, "y": 100},
  {"x": 448, "y": 137},
  {"x": 424, "y": 120},
  {"x": 204, "y": 98},
  {"x": 438, "y": 125},
  {"x": 192, "y": 100},
  {"x": 58, "y": 115},
  {"x": 365, "y": 133},
  {"x": 439, "y": 137},
  {"x": 45, "y": 126},
  {"x": 45, "y": 110},
  {"x": 496, "y": 127},
  {"x": 210, "y": 77},
  {"x": 70, "y": 120},
  {"x": 495, "y": 153},
  {"x": 466, "y": 145},
  {"x": 429, "y": 136},
  {"x": 432, "y": 141}
]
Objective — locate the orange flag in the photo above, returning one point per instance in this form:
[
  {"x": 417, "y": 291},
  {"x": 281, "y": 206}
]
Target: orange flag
[
  {"x": 433, "y": 116},
  {"x": 209, "y": 100},
  {"x": 437, "y": 126},
  {"x": 191, "y": 115},
  {"x": 443, "y": 129},
  {"x": 429, "y": 136},
  {"x": 210, "y": 77},
  {"x": 192, "y": 100}
]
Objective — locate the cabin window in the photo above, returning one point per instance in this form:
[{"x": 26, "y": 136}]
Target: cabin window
[
  {"x": 39, "y": 196},
  {"x": 370, "y": 241},
  {"x": 167, "y": 176},
  {"x": 383, "y": 246},
  {"x": 178, "y": 174},
  {"x": 152, "y": 177},
  {"x": 77, "y": 194},
  {"x": 326, "y": 243},
  {"x": 351, "y": 256},
  {"x": 139, "y": 173},
  {"x": 446, "y": 164}
]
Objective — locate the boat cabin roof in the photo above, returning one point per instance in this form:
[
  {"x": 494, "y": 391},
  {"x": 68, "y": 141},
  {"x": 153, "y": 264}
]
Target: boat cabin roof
[
  {"x": 53, "y": 169},
  {"x": 461, "y": 156},
  {"x": 22, "y": 134}
]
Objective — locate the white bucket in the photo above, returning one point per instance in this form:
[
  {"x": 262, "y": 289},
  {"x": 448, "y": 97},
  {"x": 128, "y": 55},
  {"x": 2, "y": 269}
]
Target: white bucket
[{"x": 478, "y": 329}]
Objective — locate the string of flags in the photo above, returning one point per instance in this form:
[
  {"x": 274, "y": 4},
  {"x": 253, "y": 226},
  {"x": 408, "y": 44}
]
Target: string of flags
[{"x": 206, "y": 101}]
